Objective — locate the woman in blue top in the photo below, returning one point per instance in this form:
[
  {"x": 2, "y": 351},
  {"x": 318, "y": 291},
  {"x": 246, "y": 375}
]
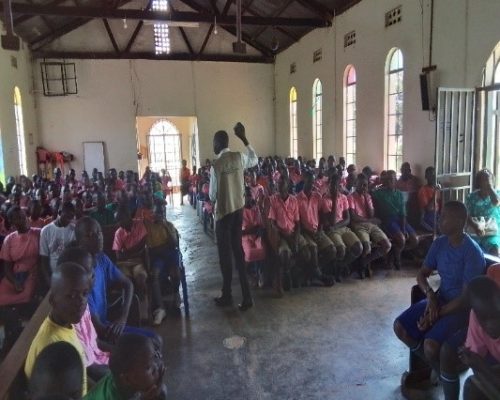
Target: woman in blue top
[{"x": 483, "y": 204}]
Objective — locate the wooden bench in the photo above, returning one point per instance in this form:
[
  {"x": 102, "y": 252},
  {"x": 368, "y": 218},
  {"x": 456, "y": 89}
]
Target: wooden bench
[{"x": 13, "y": 364}]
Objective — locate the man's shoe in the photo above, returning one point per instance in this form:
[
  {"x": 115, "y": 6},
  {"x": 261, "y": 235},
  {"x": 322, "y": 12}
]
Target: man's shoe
[
  {"x": 245, "y": 305},
  {"x": 223, "y": 301}
]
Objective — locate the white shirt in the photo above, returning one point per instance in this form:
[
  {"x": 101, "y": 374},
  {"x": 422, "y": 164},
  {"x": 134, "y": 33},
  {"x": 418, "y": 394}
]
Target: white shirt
[
  {"x": 248, "y": 160},
  {"x": 53, "y": 240}
]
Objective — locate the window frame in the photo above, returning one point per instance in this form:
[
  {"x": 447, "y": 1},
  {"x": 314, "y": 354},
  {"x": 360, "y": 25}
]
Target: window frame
[
  {"x": 350, "y": 109},
  {"x": 20, "y": 132},
  {"x": 394, "y": 116},
  {"x": 317, "y": 120},
  {"x": 294, "y": 140}
]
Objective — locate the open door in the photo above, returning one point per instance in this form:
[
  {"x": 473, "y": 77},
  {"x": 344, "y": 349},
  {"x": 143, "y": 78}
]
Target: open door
[{"x": 455, "y": 142}]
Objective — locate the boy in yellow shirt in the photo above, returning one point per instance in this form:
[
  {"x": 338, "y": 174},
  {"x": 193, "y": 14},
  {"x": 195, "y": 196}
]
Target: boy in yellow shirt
[{"x": 70, "y": 287}]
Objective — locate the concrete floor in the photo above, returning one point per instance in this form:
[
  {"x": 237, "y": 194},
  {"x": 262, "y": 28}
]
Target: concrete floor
[{"x": 315, "y": 343}]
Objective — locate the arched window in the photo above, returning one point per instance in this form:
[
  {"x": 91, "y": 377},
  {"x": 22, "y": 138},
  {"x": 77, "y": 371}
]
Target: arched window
[
  {"x": 394, "y": 107},
  {"x": 293, "y": 123},
  {"x": 496, "y": 78},
  {"x": 164, "y": 142},
  {"x": 21, "y": 142},
  {"x": 350, "y": 115},
  {"x": 317, "y": 111}
]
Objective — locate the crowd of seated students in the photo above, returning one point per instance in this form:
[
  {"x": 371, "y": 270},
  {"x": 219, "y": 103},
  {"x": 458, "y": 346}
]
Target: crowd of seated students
[
  {"x": 314, "y": 224},
  {"x": 53, "y": 237}
]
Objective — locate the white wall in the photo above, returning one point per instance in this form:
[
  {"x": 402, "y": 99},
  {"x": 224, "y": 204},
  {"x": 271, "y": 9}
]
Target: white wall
[
  {"x": 113, "y": 92},
  {"x": 9, "y": 78},
  {"x": 465, "y": 33}
]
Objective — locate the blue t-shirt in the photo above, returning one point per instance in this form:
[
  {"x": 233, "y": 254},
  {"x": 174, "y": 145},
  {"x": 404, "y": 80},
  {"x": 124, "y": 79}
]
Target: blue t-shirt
[
  {"x": 456, "y": 266},
  {"x": 105, "y": 274}
]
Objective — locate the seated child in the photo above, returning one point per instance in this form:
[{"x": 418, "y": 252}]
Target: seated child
[
  {"x": 390, "y": 208},
  {"x": 106, "y": 276},
  {"x": 426, "y": 325},
  {"x": 284, "y": 217},
  {"x": 137, "y": 371},
  {"x": 482, "y": 342},
  {"x": 163, "y": 243},
  {"x": 321, "y": 247},
  {"x": 54, "y": 237},
  {"x": 20, "y": 255},
  {"x": 129, "y": 245},
  {"x": 409, "y": 186},
  {"x": 252, "y": 235},
  {"x": 96, "y": 351},
  {"x": 429, "y": 201},
  {"x": 58, "y": 371},
  {"x": 482, "y": 346},
  {"x": 365, "y": 226},
  {"x": 35, "y": 215},
  {"x": 336, "y": 218},
  {"x": 256, "y": 189},
  {"x": 69, "y": 290},
  {"x": 101, "y": 214}
]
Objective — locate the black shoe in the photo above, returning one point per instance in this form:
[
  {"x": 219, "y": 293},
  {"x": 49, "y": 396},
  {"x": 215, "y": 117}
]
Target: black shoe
[
  {"x": 223, "y": 301},
  {"x": 245, "y": 305}
]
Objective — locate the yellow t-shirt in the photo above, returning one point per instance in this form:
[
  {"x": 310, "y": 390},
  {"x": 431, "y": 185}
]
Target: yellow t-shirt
[{"x": 48, "y": 333}]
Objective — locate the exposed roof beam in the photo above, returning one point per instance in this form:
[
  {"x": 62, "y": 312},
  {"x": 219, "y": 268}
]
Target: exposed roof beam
[
  {"x": 232, "y": 30},
  {"x": 111, "y": 36},
  {"x": 24, "y": 18},
  {"x": 291, "y": 35},
  {"x": 76, "y": 23},
  {"x": 276, "y": 14},
  {"x": 178, "y": 16},
  {"x": 150, "y": 56},
  {"x": 57, "y": 33}
]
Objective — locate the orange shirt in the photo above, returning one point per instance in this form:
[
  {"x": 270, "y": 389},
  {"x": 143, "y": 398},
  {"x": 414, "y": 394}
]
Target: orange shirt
[
  {"x": 426, "y": 195},
  {"x": 309, "y": 210},
  {"x": 284, "y": 213}
]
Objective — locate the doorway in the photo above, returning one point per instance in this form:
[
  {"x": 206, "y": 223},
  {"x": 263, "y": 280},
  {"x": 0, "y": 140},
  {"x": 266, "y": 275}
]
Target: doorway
[{"x": 164, "y": 141}]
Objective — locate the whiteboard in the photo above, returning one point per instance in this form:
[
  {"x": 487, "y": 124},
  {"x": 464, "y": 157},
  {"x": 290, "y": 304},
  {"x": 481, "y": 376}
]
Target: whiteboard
[{"x": 93, "y": 156}]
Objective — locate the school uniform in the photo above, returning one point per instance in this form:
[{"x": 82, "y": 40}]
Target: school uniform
[
  {"x": 456, "y": 266},
  {"x": 341, "y": 237},
  {"x": 253, "y": 244},
  {"x": 285, "y": 214},
  {"x": 309, "y": 209},
  {"x": 367, "y": 232}
]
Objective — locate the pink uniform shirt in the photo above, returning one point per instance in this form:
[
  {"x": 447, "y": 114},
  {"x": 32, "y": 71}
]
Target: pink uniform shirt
[
  {"x": 21, "y": 249},
  {"x": 88, "y": 338},
  {"x": 284, "y": 213},
  {"x": 342, "y": 205},
  {"x": 309, "y": 210},
  {"x": 360, "y": 204},
  {"x": 478, "y": 340},
  {"x": 251, "y": 218},
  {"x": 125, "y": 240}
]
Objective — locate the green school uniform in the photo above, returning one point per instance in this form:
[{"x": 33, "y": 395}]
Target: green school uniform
[
  {"x": 105, "y": 390},
  {"x": 389, "y": 204}
]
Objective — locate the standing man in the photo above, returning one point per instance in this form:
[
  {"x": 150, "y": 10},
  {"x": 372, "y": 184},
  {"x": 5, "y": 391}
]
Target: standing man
[{"x": 227, "y": 189}]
